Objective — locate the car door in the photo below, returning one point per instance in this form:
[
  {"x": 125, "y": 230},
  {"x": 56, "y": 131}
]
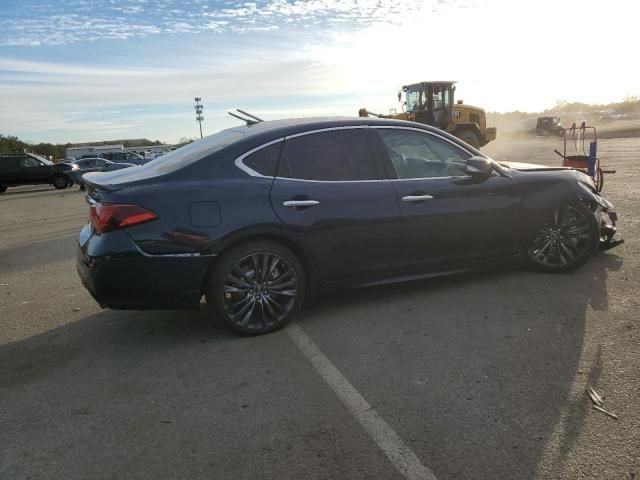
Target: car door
[
  {"x": 447, "y": 214},
  {"x": 330, "y": 189},
  {"x": 9, "y": 170}
]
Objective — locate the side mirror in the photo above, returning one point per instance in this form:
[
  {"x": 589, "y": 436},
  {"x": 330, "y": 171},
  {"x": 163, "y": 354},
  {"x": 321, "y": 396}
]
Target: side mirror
[{"x": 479, "y": 167}]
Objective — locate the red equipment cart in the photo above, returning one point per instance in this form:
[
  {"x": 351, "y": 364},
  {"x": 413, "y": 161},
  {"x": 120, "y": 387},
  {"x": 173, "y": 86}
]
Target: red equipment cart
[{"x": 583, "y": 160}]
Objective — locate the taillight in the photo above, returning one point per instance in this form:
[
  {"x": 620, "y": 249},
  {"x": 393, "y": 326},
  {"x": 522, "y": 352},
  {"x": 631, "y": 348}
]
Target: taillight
[{"x": 112, "y": 216}]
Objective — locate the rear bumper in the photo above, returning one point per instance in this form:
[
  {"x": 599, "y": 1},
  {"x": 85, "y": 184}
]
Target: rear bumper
[{"x": 134, "y": 281}]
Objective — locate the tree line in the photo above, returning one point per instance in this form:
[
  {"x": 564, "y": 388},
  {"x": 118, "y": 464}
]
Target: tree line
[{"x": 9, "y": 143}]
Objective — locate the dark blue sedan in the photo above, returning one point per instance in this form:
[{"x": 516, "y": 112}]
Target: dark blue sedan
[{"x": 255, "y": 217}]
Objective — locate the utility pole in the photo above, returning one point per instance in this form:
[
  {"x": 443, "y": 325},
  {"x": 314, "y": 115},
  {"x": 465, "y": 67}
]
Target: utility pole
[{"x": 199, "y": 117}]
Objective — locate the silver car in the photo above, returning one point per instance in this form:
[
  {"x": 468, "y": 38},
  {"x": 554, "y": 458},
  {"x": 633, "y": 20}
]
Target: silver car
[{"x": 86, "y": 165}]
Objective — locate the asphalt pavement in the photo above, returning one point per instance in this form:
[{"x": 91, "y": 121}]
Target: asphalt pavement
[{"x": 477, "y": 376}]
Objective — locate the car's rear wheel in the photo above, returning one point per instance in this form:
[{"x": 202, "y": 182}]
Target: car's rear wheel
[
  {"x": 3, "y": 188},
  {"x": 60, "y": 182},
  {"x": 256, "y": 287},
  {"x": 566, "y": 241}
]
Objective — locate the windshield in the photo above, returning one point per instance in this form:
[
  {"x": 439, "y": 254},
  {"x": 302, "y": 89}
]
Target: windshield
[
  {"x": 42, "y": 159},
  {"x": 414, "y": 98}
]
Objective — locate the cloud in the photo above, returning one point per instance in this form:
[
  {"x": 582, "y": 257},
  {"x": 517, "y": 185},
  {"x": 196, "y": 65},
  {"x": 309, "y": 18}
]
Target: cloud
[
  {"x": 287, "y": 58},
  {"x": 66, "y": 22}
]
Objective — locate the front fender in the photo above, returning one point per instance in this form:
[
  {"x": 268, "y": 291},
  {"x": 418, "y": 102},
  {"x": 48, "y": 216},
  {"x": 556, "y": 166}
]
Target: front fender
[{"x": 543, "y": 192}]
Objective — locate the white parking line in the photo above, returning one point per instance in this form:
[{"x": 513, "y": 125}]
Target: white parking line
[{"x": 389, "y": 442}]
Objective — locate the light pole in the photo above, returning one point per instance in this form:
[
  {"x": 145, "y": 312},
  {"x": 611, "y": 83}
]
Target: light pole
[{"x": 199, "y": 116}]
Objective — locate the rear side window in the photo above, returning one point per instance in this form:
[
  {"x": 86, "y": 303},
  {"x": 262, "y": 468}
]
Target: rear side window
[
  {"x": 265, "y": 160},
  {"x": 336, "y": 155},
  {"x": 8, "y": 164}
]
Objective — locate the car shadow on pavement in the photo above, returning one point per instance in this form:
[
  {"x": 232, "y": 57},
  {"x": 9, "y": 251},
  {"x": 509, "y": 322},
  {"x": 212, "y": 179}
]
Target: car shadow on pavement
[
  {"x": 483, "y": 372},
  {"x": 473, "y": 371},
  {"x": 155, "y": 394},
  {"x": 113, "y": 332},
  {"x": 37, "y": 192}
]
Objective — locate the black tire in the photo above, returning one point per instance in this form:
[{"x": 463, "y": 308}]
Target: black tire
[
  {"x": 60, "y": 182},
  {"x": 82, "y": 187},
  {"x": 469, "y": 137},
  {"x": 566, "y": 242},
  {"x": 256, "y": 287},
  {"x": 3, "y": 188}
]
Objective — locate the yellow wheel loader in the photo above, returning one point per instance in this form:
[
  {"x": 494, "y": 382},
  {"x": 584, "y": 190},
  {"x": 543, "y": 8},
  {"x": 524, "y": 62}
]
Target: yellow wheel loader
[{"x": 432, "y": 103}]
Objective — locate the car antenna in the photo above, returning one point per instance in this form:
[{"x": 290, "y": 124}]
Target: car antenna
[
  {"x": 249, "y": 115},
  {"x": 248, "y": 118}
]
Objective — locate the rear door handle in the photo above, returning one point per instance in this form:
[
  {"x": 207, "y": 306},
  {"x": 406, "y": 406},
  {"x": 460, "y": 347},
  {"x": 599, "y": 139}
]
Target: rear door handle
[
  {"x": 417, "y": 198},
  {"x": 300, "y": 203}
]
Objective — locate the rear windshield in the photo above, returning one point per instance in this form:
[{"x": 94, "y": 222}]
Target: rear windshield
[
  {"x": 177, "y": 159},
  {"x": 183, "y": 156}
]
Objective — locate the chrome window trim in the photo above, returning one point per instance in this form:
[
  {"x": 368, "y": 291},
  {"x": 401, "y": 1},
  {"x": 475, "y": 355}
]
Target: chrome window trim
[
  {"x": 333, "y": 181},
  {"x": 328, "y": 129},
  {"x": 239, "y": 161},
  {"x": 240, "y": 164}
]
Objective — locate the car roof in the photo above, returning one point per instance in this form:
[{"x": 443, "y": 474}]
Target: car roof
[{"x": 272, "y": 129}]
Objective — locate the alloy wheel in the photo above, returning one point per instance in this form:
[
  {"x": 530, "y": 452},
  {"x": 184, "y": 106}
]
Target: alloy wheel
[
  {"x": 259, "y": 291},
  {"x": 564, "y": 240}
]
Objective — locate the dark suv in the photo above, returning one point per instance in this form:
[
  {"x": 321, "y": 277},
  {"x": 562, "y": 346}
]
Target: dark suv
[{"x": 30, "y": 169}]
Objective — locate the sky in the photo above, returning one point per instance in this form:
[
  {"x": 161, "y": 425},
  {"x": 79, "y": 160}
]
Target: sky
[{"x": 93, "y": 70}]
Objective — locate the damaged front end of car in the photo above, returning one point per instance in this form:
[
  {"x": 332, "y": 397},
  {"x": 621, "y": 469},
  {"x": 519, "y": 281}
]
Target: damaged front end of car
[
  {"x": 608, "y": 219},
  {"x": 604, "y": 211}
]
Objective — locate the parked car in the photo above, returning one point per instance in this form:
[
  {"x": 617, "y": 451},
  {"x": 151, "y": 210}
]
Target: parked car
[
  {"x": 255, "y": 217},
  {"x": 86, "y": 165},
  {"x": 117, "y": 157},
  {"x": 29, "y": 169}
]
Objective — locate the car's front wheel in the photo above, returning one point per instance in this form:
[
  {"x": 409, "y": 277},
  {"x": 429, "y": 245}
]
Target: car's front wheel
[
  {"x": 256, "y": 287},
  {"x": 3, "y": 188},
  {"x": 60, "y": 182},
  {"x": 566, "y": 241}
]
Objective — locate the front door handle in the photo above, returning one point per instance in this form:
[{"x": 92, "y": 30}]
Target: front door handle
[
  {"x": 300, "y": 203},
  {"x": 417, "y": 198}
]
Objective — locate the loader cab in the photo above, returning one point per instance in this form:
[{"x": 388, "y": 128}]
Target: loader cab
[{"x": 430, "y": 102}]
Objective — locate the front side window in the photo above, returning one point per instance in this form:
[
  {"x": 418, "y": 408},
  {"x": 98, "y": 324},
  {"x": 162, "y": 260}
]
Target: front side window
[
  {"x": 422, "y": 155},
  {"x": 335, "y": 155},
  {"x": 29, "y": 162}
]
